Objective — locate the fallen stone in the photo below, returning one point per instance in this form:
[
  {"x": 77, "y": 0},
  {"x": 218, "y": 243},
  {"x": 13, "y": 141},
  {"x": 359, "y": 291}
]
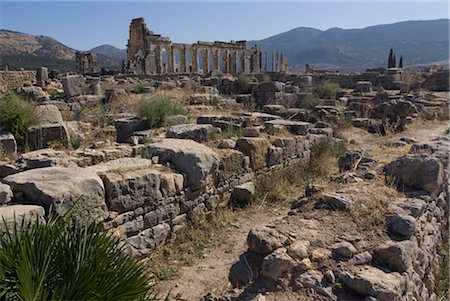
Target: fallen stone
[
  {"x": 343, "y": 250},
  {"x": 335, "y": 202},
  {"x": 75, "y": 189},
  {"x": 48, "y": 114},
  {"x": 227, "y": 144},
  {"x": 298, "y": 249},
  {"x": 8, "y": 144},
  {"x": 72, "y": 85},
  {"x": 277, "y": 264},
  {"x": 251, "y": 132},
  {"x": 349, "y": 160},
  {"x": 245, "y": 270},
  {"x": 401, "y": 225},
  {"x": 126, "y": 127},
  {"x": 197, "y": 162},
  {"x": 264, "y": 240},
  {"x": 18, "y": 213},
  {"x": 5, "y": 193},
  {"x": 361, "y": 258},
  {"x": 419, "y": 172},
  {"x": 196, "y": 132},
  {"x": 370, "y": 281},
  {"x": 243, "y": 194},
  {"x": 397, "y": 256}
]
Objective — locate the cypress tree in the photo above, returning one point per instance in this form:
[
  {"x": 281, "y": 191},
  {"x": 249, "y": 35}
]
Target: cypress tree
[
  {"x": 394, "y": 62},
  {"x": 400, "y": 63},
  {"x": 391, "y": 56}
]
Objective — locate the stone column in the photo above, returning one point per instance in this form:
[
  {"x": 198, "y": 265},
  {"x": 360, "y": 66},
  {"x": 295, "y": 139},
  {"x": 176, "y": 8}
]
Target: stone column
[
  {"x": 232, "y": 62},
  {"x": 266, "y": 62},
  {"x": 159, "y": 61},
  {"x": 277, "y": 65},
  {"x": 215, "y": 55},
  {"x": 225, "y": 66},
  {"x": 183, "y": 60},
  {"x": 243, "y": 58},
  {"x": 205, "y": 60},
  {"x": 194, "y": 57},
  {"x": 170, "y": 60},
  {"x": 273, "y": 61}
]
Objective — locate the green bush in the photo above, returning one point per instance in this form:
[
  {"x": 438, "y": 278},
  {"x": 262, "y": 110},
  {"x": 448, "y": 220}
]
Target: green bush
[
  {"x": 310, "y": 102},
  {"x": 243, "y": 83},
  {"x": 62, "y": 261},
  {"x": 16, "y": 115},
  {"x": 266, "y": 78},
  {"x": 157, "y": 109},
  {"x": 380, "y": 70},
  {"x": 327, "y": 90}
]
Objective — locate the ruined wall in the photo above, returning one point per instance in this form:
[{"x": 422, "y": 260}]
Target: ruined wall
[
  {"x": 15, "y": 79},
  {"x": 145, "y": 227}
]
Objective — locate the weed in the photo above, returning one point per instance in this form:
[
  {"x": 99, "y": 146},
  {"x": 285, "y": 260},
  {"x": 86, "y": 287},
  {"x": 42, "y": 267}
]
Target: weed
[
  {"x": 266, "y": 78},
  {"x": 310, "y": 102},
  {"x": 16, "y": 115},
  {"x": 326, "y": 90},
  {"x": 158, "y": 108}
]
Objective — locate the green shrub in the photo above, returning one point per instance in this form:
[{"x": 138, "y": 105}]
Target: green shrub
[
  {"x": 266, "y": 78},
  {"x": 62, "y": 261},
  {"x": 157, "y": 109},
  {"x": 380, "y": 70},
  {"x": 243, "y": 82},
  {"x": 310, "y": 102},
  {"x": 327, "y": 90},
  {"x": 16, "y": 115}
]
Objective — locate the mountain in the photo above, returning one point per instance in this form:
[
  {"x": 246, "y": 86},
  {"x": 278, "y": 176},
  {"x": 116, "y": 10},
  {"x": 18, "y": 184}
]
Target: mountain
[
  {"x": 21, "y": 50},
  {"x": 110, "y": 51},
  {"x": 419, "y": 42}
]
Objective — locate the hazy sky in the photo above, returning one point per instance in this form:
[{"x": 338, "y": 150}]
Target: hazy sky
[{"x": 85, "y": 24}]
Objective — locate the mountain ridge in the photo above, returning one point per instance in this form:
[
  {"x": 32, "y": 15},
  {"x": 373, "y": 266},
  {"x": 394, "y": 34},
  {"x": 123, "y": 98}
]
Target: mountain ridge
[{"x": 420, "y": 42}]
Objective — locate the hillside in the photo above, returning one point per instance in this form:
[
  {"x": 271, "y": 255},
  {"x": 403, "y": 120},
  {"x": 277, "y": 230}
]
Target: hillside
[
  {"x": 420, "y": 43},
  {"x": 21, "y": 50},
  {"x": 110, "y": 51}
]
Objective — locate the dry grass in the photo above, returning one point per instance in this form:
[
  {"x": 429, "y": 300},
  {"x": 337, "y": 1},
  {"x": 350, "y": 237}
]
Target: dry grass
[{"x": 190, "y": 244}]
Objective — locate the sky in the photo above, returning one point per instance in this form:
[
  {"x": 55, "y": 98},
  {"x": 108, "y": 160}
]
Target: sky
[{"x": 83, "y": 25}]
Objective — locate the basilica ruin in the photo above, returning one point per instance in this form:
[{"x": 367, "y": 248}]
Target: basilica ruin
[{"x": 152, "y": 54}]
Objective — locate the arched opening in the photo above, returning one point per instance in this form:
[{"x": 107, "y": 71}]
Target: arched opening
[
  {"x": 238, "y": 62},
  {"x": 189, "y": 61},
  {"x": 163, "y": 61},
  {"x": 200, "y": 62},
  {"x": 177, "y": 62}
]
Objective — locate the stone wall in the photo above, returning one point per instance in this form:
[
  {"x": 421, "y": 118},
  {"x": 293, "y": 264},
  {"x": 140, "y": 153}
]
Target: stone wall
[
  {"x": 146, "y": 226},
  {"x": 15, "y": 79}
]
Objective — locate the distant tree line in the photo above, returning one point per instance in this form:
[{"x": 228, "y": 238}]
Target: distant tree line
[{"x": 392, "y": 61}]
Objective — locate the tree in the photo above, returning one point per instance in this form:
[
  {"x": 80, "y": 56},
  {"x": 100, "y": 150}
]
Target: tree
[
  {"x": 394, "y": 62},
  {"x": 400, "y": 63},
  {"x": 391, "y": 58}
]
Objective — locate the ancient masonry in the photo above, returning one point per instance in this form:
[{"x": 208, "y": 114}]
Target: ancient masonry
[
  {"x": 152, "y": 54},
  {"x": 86, "y": 62}
]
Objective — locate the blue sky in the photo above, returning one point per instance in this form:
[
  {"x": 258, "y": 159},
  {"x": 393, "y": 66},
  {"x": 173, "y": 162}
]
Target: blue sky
[{"x": 85, "y": 24}]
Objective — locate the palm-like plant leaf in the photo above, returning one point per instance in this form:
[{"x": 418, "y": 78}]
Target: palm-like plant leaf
[{"x": 63, "y": 261}]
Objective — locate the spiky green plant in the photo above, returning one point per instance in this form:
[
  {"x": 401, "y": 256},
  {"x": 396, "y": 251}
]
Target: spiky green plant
[{"x": 60, "y": 260}]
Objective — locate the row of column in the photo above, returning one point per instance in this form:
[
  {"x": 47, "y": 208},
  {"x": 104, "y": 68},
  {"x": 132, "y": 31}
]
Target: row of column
[{"x": 231, "y": 61}]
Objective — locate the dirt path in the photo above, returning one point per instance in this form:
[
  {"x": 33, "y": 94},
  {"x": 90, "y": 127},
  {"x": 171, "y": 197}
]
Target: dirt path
[{"x": 210, "y": 273}]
